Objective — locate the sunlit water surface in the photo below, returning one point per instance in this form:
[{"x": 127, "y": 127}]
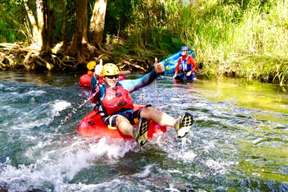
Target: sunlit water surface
[{"x": 239, "y": 141}]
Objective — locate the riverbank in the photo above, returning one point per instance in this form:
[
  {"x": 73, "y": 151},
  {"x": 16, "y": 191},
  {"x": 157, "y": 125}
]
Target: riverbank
[
  {"x": 245, "y": 39},
  {"x": 18, "y": 56},
  {"x": 264, "y": 68}
]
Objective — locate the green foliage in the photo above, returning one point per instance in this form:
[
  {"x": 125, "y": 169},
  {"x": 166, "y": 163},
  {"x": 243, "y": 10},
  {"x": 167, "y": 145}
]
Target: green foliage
[
  {"x": 118, "y": 16},
  {"x": 149, "y": 28},
  {"x": 11, "y": 21},
  {"x": 243, "y": 37}
]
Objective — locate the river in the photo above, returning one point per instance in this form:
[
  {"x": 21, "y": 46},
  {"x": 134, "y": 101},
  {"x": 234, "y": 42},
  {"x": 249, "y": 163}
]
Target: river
[{"x": 238, "y": 142}]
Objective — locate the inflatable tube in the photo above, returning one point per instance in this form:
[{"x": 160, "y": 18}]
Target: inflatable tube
[
  {"x": 171, "y": 61},
  {"x": 85, "y": 81},
  {"x": 92, "y": 125}
]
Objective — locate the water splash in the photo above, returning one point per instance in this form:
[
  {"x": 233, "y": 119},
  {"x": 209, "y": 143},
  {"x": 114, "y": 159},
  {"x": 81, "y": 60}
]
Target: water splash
[
  {"x": 233, "y": 146},
  {"x": 59, "y": 165},
  {"x": 59, "y": 105}
]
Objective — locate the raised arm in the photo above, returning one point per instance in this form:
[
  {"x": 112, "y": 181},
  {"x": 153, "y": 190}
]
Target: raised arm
[{"x": 135, "y": 84}]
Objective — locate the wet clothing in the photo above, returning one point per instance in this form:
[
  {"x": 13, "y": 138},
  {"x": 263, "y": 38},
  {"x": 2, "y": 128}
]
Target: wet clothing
[
  {"x": 128, "y": 113},
  {"x": 117, "y": 100},
  {"x": 183, "y": 77},
  {"x": 185, "y": 64}
]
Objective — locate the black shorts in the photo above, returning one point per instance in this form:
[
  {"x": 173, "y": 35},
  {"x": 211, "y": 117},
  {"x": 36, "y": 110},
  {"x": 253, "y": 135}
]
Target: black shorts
[{"x": 130, "y": 114}]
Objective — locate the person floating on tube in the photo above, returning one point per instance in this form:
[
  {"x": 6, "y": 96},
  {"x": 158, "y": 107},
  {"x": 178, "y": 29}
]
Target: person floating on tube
[{"x": 116, "y": 104}]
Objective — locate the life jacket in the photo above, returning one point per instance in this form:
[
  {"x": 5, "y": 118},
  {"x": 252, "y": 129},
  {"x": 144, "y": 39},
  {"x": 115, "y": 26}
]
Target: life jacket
[
  {"x": 116, "y": 99},
  {"x": 183, "y": 64}
]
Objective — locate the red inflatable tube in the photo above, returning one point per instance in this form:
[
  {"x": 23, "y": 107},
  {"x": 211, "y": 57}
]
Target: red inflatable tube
[
  {"x": 85, "y": 81},
  {"x": 92, "y": 125}
]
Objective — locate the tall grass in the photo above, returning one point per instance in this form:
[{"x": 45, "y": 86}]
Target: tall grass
[
  {"x": 256, "y": 46},
  {"x": 246, "y": 38},
  {"x": 249, "y": 42}
]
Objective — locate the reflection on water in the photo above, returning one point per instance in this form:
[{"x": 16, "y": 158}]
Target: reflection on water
[
  {"x": 238, "y": 142},
  {"x": 254, "y": 95},
  {"x": 63, "y": 79}
]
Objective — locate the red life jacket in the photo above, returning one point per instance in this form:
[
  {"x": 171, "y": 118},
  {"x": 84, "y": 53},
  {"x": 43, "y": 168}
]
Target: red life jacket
[{"x": 116, "y": 99}]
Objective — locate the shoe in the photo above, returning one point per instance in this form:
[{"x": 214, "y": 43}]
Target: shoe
[
  {"x": 184, "y": 124},
  {"x": 142, "y": 131}
]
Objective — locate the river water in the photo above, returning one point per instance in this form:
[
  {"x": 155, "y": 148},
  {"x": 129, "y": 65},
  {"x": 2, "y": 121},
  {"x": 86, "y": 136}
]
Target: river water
[{"x": 239, "y": 141}]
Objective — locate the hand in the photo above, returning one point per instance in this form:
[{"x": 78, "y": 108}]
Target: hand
[
  {"x": 158, "y": 67},
  {"x": 98, "y": 68},
  {"x": 174, "y": 76},
  {"x": 189, "y": 73}
]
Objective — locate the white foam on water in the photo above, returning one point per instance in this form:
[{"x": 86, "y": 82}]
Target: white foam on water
[
  {"x": 107, "y": 186},
  {"x": 80, "y": 187},
  {"x": 35, "y": 93},
  {"x": 146, "y": 172},
  {"x": 30, "y": 119},
  {"x": 8, "y": 88},
  {"x": 32, "y": 152},
  {"x": 182, "y": 152},
  {"x": 59, "y": 105},
  {"x": 60, "y": 164},
  {"x": 171, "y": 188},
  {"x": 187, "y": 156},
  {"x": 208, "y": 145},
  {"x": 24, "y": 124},
  {"x": 218, "y": 167}
]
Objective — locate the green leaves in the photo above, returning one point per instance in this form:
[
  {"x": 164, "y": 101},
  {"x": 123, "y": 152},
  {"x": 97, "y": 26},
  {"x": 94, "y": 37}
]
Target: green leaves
[{"x": 11, "y": 20}]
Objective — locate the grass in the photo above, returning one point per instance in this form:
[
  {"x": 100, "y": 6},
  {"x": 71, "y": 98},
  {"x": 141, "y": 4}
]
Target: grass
[{"x": 246, "y": 39}]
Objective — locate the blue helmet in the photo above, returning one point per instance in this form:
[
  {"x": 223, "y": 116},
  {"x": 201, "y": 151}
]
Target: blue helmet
[{"x": 184, "y": 48}]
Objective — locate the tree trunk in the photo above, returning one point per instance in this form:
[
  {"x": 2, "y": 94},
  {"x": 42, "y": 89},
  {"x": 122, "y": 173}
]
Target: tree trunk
[
  {"x": 36, "y": 31},
  {"x": 51, "y": 25},
  {"x": 45, "y": 31},
  {"x": 64, "y": 35},
  {"x": 80, "y": 33},
  {"x": 97, "y": 21},
  {"x": 84, "y": 18},
  {"x": 40, "y": 14}
]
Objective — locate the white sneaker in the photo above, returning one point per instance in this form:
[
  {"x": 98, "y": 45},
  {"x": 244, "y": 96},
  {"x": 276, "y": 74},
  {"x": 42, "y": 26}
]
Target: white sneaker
[
  {"x": 184, "y": 124},
  {"x": 142, "y": 131}
]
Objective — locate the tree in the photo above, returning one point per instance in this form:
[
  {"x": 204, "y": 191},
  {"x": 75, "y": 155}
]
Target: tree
[
  {"x": 80, "y": 32},
  {"x": 97, "y": 21},
  {"x": 36, "y": 23},
  {"x": 41, "y": 24}
]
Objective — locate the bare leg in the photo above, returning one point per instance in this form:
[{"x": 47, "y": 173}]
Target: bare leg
[
  {"x": 124, "y": 126},
  {"x": 159, "y": 117},
  {"x": 182, "y": 124}
]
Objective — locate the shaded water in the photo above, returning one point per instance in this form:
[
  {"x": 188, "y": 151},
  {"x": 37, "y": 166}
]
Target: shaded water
[{"x": 238, "y": 142}]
